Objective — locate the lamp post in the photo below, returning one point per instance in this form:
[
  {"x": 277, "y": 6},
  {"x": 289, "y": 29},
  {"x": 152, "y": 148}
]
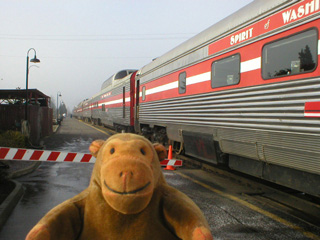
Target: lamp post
[
  {"x": 33, "y": 60},
  {"x": 58, "y": 95}
]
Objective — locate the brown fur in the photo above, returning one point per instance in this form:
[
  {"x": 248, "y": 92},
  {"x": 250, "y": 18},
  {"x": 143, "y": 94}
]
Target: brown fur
[{"x": 128, "y": 198}]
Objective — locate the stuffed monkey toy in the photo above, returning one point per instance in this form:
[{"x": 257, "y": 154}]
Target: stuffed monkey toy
[{"x": 127, "y": 198}]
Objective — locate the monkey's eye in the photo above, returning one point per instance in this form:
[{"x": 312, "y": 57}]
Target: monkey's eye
[
  {"x": 142, "y": 151},
  {"x": 112, "y": 151}
]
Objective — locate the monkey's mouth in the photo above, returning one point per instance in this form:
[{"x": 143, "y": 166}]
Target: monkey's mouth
[{"x": 125, "y": 192}]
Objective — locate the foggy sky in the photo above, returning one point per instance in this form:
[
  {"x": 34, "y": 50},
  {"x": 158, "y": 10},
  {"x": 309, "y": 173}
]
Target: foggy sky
[{"x": 81, "y": 43}]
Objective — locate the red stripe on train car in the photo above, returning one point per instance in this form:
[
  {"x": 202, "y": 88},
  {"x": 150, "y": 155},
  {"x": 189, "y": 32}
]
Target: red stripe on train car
[
  {"x": 312, "y": 109},
  {"x": 312, "y": 106}
]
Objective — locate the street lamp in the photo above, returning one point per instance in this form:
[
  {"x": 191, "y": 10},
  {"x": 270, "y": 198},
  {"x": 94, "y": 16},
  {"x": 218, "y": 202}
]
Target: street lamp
[
  {"x": 33, "y": 60},
  {"x": 58, "y": 95}
]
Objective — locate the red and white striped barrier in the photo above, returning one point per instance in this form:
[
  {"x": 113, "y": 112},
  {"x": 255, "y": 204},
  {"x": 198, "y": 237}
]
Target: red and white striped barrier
[
  {"x": 171, "y": 162},
  {"x": 55, "y": 156},
  {"x": 41, "y": 155}
]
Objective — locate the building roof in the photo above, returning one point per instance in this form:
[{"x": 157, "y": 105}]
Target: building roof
[{"x": 20, "y": 94}]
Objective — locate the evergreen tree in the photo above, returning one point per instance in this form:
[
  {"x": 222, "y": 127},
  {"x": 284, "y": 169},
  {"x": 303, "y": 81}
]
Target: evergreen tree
[{"x": 306, "y": 61}]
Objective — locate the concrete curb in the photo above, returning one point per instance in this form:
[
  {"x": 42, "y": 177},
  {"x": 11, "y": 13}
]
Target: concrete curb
[
  {"x": 24, "y": 171},
  {"x": 10, "y": 202},
  {"x": 14, "y": 197}
]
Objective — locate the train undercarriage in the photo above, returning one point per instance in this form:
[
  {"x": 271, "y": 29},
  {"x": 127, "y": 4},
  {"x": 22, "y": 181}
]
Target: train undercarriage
[{"x": 207, "y": 150}]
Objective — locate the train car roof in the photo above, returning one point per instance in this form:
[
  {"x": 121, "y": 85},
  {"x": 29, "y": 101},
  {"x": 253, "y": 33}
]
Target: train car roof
[
  {"x": 114, "y": 82},
  {"x": 254, "y": 10},
  {"x": 117, "y": 76}
]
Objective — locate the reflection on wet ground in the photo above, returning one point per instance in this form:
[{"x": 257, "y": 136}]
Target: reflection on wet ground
[
  {"x": 76, "y": 145},
  {"x": 52, "y": 183}
]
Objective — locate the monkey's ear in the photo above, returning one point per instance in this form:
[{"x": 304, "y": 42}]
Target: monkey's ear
[
  {"x": 95, "y": 147},
  {"x": 161, "y": 151}
]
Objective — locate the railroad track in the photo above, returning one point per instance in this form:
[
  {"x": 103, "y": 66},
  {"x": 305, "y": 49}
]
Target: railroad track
[{"x": 294, "y": 203}]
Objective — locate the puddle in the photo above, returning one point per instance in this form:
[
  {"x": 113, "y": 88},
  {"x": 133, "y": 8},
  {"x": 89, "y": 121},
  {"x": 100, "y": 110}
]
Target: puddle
[{"x": 76, "y": 145}]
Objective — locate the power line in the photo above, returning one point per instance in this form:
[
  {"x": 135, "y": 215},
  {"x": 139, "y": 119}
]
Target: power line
[
  {"x": 120, "y": 37},
  {"x": 95, "y": 35},
  {"x": 81, "y": 57}
]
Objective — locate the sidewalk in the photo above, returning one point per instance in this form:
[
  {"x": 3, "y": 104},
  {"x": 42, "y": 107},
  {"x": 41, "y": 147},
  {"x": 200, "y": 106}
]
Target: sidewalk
[{"x": 16, "y": 169}]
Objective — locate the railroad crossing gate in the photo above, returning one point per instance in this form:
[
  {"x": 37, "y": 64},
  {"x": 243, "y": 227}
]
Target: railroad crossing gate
[
  {"x": 55, "y": 156},
  {"x": 42, "y": 155}
]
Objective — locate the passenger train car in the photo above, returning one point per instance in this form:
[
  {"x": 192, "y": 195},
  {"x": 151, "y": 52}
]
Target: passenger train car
[
  {"x": 244, "y": 93},
  {"x": 113, "y": 105}
]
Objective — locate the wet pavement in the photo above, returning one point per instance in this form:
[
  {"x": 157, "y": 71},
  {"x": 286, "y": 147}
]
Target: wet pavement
[
  {"x": 52, "y": 183},
  {"x": 230, "y": 212}
]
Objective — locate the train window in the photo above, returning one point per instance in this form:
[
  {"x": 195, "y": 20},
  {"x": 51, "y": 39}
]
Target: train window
[
  {"x": 292, "y": 55},
  {"x": 225, "y": 72},
  {"x": 143, "y": 93},
  {"x": 121, "y": 75},
  {"x": 182, "y": 82}
]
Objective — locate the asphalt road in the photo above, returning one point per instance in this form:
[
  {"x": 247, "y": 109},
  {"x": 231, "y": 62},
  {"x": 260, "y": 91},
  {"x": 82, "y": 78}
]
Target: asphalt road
[{"x": 225, "y": 203}]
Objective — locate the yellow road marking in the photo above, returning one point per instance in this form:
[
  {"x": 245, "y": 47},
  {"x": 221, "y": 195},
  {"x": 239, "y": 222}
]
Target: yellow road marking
[
  {"x": 254, "y": 208},
  {"x": 95, "y": 128}
]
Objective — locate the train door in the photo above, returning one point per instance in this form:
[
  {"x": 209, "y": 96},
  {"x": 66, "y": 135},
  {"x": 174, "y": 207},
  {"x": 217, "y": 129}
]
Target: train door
[
  {"x": 124, "y": 102},
  {"x": 136, "y": 123},
  {"x": 91, "y": 105},
  {"x": 132, "y": 99}
]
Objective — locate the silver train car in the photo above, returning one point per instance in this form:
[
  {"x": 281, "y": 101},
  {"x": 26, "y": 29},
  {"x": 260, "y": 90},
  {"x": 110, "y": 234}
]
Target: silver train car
[
  {"x": 111, "y": 107},
  {"x": 244, "y": 93}
]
